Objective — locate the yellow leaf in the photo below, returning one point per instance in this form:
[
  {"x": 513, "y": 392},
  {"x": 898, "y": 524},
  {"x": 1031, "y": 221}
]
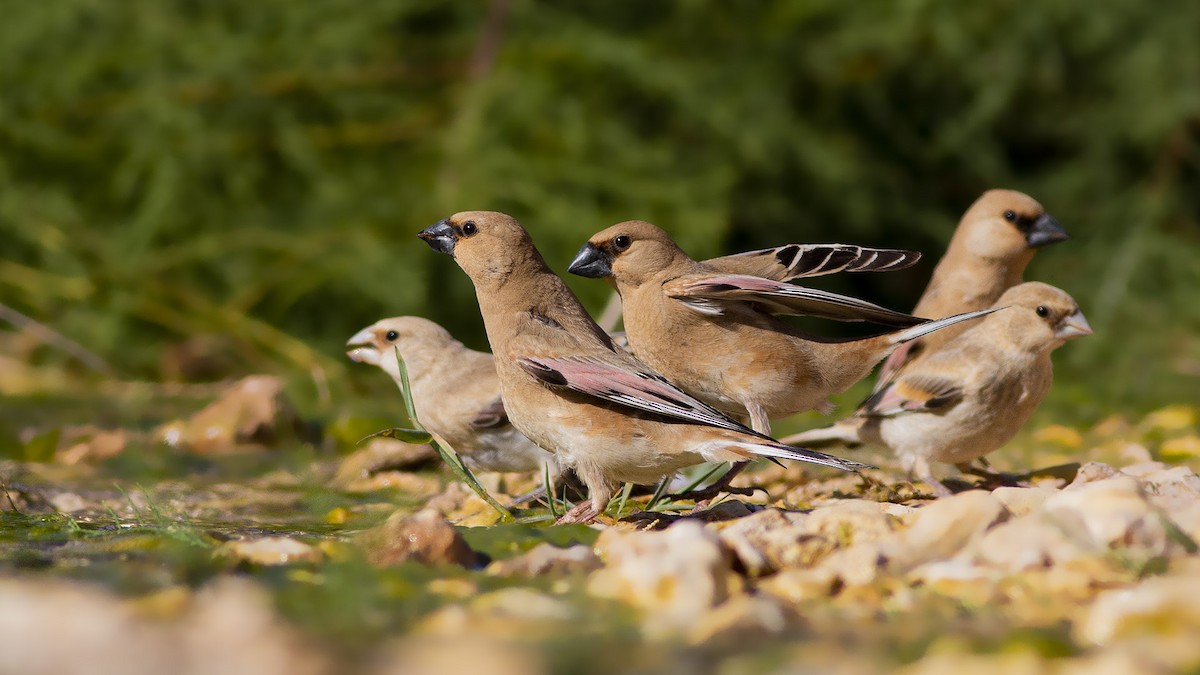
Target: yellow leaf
[
  {"x": 1059, "y": 435},
  {"x": 1180, "y": 449},
  {"x": 1171, "y": 418}
]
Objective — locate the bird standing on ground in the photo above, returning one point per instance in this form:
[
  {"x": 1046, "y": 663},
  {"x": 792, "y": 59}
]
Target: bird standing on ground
[
  {"x": 711, "y": 327},
  {"x": 455, "y": 391},
  {"x": 570, "y": 389},
  {"x": 993, "y": 244},
  {"x": 971, "y": 396}
]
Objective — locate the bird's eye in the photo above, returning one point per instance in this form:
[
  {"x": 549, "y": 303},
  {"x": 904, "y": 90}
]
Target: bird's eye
[
  {"x": 1010, "y": 216},
  {"x": 621, "y": 242},
  {"x": 1042, "y": 311},
  {"x": 469, "y": 228},
  {"x": 391, "y": 336}
]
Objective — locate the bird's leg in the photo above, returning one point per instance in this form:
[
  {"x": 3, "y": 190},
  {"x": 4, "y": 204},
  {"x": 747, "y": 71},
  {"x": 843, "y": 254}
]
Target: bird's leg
[
  {"x": 600, "y": 489},
  {"x": 991, "y": 477},
  {"x": 722, "y": 485},
  {"x": 758, "y": 419},
  {"x": 760, "y": 423},
  {"x": 582, "y": 513},
  {"x": 919, "y": 468}
]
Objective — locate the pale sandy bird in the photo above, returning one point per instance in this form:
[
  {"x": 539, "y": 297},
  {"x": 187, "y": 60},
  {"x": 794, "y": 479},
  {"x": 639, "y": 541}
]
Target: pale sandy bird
[
  {"x": 988, "y": 253},
  {"x": 971, "y": 396},
  {"x": 712, "y": 327},
  {"x": 570, "y": 389},
  {"x": 455, "y": 391}
]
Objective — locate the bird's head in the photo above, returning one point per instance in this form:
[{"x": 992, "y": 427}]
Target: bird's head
[
  {"x": 415, "y": 338},
  {"x": 1005, "y": 224},
  {"x": 487, "y": 245},
  {"x": 1043, "y": 316},
  {"x": 629, "y": 253}
]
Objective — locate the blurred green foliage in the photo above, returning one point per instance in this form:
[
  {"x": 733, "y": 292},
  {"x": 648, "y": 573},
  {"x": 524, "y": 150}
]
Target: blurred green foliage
[{"x": 258, "y": 170}]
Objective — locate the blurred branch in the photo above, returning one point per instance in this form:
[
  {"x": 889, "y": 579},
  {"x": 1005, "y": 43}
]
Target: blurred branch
[
  {"x": 52, "y": 337},
  {"x": 487, "y": 47}
]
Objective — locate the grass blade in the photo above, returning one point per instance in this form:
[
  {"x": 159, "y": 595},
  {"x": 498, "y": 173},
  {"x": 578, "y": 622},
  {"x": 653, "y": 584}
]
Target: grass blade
[{"x": 447, "y": 453}]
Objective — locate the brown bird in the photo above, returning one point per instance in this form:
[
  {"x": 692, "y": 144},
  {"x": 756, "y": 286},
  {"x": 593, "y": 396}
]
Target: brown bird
[
  {"x": 455, "y": 391},
  {"x": 711, "y": 327},
  {"x": 971, "y": 396},
  {"x": 570, "y": 389},
  {"x": 993, "y": 244}
]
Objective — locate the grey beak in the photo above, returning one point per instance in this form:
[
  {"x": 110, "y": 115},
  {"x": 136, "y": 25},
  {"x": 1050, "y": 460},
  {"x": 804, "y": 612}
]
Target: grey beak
[
  {"x": 591, "y": 262},
  {"x": 439, "y": 236},
  {"x": 1045, "y": 231},
  {"x": 1074, "y": 326}
]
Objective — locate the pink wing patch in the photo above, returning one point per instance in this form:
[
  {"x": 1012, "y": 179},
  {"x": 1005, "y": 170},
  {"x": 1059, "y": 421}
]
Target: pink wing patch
[
  {"x": 706, "y": 293},
  {"x": 640, "y": 389}
]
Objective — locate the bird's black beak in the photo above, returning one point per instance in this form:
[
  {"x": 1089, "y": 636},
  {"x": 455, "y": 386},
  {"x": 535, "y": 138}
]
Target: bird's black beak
[
  {"x": 591, "y": 262},
  {"x": 439, "y": 236},
  {"x": 1045, "y": 231}
]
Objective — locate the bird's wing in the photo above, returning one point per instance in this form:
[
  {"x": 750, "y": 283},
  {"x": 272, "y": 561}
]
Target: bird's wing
[
  {"x": 639, "y": 389},
  {"x": 712, "y": 294},
  {"x": 490, "y": 416},
  {"x": 914, "y": 393},
  {"x": 796, "y": 261}
]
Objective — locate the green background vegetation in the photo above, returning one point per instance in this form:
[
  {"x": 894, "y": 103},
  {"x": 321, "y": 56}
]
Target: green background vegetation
[{"x": 257, "y": 171}]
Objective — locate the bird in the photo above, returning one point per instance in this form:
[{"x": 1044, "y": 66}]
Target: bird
[
  {"x": 455, "y": 391},
  {"x": 572, "y": 390},
  {"x": 972, "y": 395},
  {"x": 712, "y": 327},
  {"x": 988, "y": 253}
]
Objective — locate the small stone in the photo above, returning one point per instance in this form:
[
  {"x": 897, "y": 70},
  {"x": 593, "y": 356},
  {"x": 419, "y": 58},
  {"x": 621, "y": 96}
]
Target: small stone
[
  {"x": 744, "y": 617},
  {"x": 94, "y": 445},
  {"x": 459, "y": 652},
  {"x": 272, "y": 551},
  {"x": 416, "y": 485},
  {"x": 943, "y": 662},
  {"x": 65, "y": 502},
  {"x": 674, "y": 575},
  {"x": 1168, "y": 488},
  {"x": 424, "y": 537},
  {"x": 942, "y": 528},
  {"x": 1111, "y": 512},
  {"x": 252, "y": 411},
  {"x": 380, "y": 455},
  {"x": 511, "y": 614},
  {"x": 232, "y": 628},
  {"x": 773, "y": 539},
  {"x": 547, "y": 559},
  {"x": 453, "y": 588},
  {"x": 1091, "y": 472},
  {"x": 761, "y": 542},
  {"x": 1156, "y": 607},
  {"x": 1020, "y": 501},
  {"x": 855, "y": 565},
  {"x": 798, "y": 585},
  {"x": 1029, "y": 542}
]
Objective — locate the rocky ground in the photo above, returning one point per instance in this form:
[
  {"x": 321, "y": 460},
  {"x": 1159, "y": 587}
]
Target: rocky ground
[{"x": 120, "y": 554}]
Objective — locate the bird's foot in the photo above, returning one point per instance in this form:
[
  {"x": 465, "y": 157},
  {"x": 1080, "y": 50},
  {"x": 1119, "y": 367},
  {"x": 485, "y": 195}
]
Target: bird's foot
[
  {"x": 993, "y": 478},
  {"x": 938, "y": 487},
  {"x": 582, "y": 513},
  {"x": 702, "y": 496}
]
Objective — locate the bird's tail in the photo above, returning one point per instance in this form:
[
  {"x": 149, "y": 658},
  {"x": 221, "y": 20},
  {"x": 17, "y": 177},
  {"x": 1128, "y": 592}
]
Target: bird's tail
[
  {"x": 910, "y": 334},
  {"x": 844, "y": 432},
  {"x": 781, "y": 451}
]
